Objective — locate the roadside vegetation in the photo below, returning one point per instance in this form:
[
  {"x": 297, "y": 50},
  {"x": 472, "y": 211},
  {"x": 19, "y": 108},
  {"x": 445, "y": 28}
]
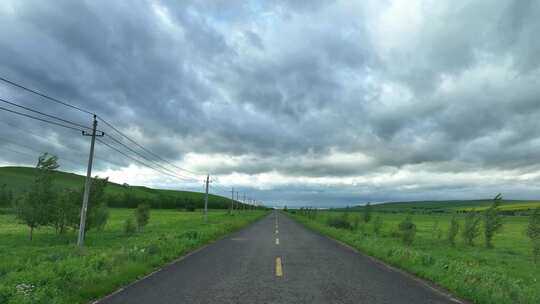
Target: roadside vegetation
[
  {"x": 483, "y": 255},
  {"x": 39, "y": 222}
]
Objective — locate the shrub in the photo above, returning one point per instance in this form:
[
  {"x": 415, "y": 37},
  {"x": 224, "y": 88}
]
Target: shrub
[
  {"x": 492, "y": 221},
  {"x": 377, "y": 224},
  {"x": 408, "y": 230},
  {"x": 129, "y": 226},
  {"x": 471, "y": 228},
  {"x": 356, "y": 222},
  {"x": 367, "y": 213},
  {"x": 339, "y": 222},
  {"x": 453, "y": 230},
  {"x": 142, "y": 215},
  {"x": 533, "y": 232}
]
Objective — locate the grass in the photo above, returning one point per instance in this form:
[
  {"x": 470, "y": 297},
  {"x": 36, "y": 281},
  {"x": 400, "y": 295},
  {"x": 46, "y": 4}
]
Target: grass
[
  {"x": 504, "y": 274},
  {"x": 451, "y": 206},
  {"x": 51, "y": 269}
]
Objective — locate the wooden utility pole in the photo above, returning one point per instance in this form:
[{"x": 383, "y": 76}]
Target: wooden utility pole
[
  {"x": 87, "y": 183},
  {"x": 206, "y": 199}
]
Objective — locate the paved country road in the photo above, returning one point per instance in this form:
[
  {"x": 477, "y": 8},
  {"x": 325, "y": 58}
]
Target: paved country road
[{"x": 277, "y": 260}]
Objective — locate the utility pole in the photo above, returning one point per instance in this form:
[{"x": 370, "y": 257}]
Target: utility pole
[
  {"x": 87, "y": 182},
  {"x": 206, "y": 199},
  {"x": 232, "y": 200},
  {"x": 244, "y": 201},
  {"x": 237, "y": 207}
]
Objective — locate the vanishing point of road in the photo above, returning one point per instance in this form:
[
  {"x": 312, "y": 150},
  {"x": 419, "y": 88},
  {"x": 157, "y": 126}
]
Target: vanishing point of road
[{"x": 277, "y": 260}]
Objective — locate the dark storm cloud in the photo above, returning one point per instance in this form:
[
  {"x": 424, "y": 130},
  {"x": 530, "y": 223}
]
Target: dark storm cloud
[{"x": 307, "y": 90}]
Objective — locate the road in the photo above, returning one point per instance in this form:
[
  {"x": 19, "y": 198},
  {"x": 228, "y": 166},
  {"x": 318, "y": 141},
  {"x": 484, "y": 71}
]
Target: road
[{"x": 277, "y": 260}]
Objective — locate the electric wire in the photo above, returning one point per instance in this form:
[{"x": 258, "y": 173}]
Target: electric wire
[
  {"x": 40, "y": 119},
  {"x": 44, "y": 95},
  {"x": 44, "y": 114}
]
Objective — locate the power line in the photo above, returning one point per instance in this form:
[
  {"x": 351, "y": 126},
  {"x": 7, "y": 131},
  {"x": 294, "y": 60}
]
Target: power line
[
  {"x": 137, "y": 160},
  {"x": 44, "y": 114},
  {"x": 44, "y": 96},
  {"x": 40, "y": 119},
  {"x": 144, "y": 157},
  {"x": 146, "y": 150}
]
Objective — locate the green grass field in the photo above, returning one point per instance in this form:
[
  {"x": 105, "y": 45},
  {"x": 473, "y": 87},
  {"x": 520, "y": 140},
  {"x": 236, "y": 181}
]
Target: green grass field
[
  {"x": 451, "y": 206},
  {"x": 51, "y": 269},
  {"x": 504, "y": 274}
]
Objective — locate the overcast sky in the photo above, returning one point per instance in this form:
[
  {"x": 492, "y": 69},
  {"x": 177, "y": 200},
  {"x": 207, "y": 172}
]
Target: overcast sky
[{"x": 321, "y": 103}]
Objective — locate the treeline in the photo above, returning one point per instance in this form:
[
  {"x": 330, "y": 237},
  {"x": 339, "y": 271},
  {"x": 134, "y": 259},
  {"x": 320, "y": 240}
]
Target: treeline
[{"x": 161, "y": 201}]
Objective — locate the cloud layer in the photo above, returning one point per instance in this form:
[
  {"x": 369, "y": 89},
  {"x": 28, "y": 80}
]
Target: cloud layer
[{"x": 323, "y": 103}]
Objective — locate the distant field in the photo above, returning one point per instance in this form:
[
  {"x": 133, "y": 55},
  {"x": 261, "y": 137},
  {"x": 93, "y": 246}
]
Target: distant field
[
  {"x": 451, "y": 206},
  {"x": 504, "y": 274},
  {"x": 19, "y": 178},
  {"x": 50, "y": 269}
]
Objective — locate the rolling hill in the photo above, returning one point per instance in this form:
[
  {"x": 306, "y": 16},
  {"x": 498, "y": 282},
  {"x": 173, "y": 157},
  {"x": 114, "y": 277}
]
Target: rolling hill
[{"x": 19, "y": 178}]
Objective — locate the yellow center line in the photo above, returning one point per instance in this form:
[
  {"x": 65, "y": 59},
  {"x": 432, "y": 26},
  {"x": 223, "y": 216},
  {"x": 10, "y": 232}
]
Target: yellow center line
[{"x": 279, "y": 268}]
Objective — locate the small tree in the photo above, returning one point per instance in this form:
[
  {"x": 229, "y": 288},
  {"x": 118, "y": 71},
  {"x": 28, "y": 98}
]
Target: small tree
[
  {"x": 66, "y": 211},
  {"x": 377, "y": 224},
  {"x": 533, "y": 232},
  {"x": 436, "y": 230},
  {"x": 98, "y": 212},
  {"x": 36, "y": 207},
  {"x": 492, "y": 220},
  {"x": 129, "y": 226},
  {"x": 356, "y": 221},
  {"x": 142, "y": 215},
  {"x": 408, "y": 230},
  {"x": 453, "y": 230},
  {"x": 471, "y": 228},
  {"x": 5, "y": 196},
  {"x": 367, "y": 213}
]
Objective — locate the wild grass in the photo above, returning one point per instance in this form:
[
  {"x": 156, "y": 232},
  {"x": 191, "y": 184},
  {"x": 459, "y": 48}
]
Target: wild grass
[
  {"x": 51, "y": 269},
  {"x": 503, "y": 274}
]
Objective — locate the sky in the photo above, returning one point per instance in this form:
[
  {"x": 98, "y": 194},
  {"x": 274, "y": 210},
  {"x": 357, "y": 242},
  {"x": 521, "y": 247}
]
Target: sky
[{"x": 299, "y": 103}]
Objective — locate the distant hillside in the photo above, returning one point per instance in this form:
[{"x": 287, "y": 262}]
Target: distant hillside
[
  {"x": 509, "y": 206},
  {"x": 19, "y": 178}
]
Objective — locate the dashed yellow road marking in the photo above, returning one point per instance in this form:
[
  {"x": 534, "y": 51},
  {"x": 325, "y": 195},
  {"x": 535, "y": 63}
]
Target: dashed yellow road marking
[
  {"x": 277, "y": 232},
  {"x": 279, "y": 268},
  {"x": 277, "y": 241}
]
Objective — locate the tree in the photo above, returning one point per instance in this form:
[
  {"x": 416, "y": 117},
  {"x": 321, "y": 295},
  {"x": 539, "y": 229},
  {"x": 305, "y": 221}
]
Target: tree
[
  {"x": 436, "y": 230},
  {"x": 36, "y": 207},
  {"x": 377, "y": 224},
  {"x": 471, "y": 228},
  {"x": 493, "y": 220},
  {"x": 129, "y": 226},
  {"x": 142, "y": 216},
  {"x": 5, "y": 196},
  {"x": 533, "y": 232},
  {"x": 98, "y": 212},
  {"x": 367, "y": 213},
  {"x": 453, "y": 230},
  {"x": 66, "y": 213},
  {"x": 408, "y": 230}
]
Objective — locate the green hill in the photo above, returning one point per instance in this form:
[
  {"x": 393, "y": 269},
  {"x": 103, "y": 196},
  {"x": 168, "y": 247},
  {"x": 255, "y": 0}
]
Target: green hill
[
  {"x": 510, "y": 206},
  {"x": 18, "y": 179}
]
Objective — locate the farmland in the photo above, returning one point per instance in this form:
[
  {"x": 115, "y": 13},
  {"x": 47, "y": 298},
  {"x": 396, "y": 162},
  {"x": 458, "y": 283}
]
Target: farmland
[
  {"x": 50, "y": 269},
  {"x": 503, "y": 274}
]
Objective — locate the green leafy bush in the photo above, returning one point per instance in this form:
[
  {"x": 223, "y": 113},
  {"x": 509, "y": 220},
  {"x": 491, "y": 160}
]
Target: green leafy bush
[
  {"x": 129, "y": 226},
  {"x": 408, "y": 230}
]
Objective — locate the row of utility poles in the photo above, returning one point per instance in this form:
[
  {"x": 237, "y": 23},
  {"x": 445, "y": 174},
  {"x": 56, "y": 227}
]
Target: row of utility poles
[{"x": 245, "y": 201}]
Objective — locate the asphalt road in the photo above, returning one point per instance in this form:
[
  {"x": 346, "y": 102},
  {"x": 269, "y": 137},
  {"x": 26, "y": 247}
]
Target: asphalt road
[{"x": 276, "y": 260}]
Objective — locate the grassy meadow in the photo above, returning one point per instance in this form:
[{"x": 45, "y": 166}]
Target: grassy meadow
[
  {"x": 51, "y": 269},
  {"x": 503, "y": 274}
]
